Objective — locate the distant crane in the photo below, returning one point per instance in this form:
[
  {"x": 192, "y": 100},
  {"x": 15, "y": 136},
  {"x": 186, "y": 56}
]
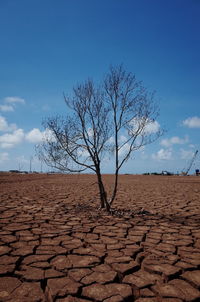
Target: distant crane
[{"x": 190, "y": 164}]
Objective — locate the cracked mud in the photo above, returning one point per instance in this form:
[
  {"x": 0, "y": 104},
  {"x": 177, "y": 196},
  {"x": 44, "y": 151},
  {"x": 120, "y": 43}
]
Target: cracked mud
[{"x": 55, "y": 245}]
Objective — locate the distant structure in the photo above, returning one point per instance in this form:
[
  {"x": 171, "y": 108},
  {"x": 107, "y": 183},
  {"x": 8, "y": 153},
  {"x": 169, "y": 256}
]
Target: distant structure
[
  {"x": 18, "y": 171},
  {"x": 14, "y": 171},
  {"x": 167, "y": 173},
  {"x": 185, "y": 173},
  {"x": 31, "y": 159}
]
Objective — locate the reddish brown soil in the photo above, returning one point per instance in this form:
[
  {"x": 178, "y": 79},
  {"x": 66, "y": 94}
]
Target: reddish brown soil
[{"x": 55, "y": 245}]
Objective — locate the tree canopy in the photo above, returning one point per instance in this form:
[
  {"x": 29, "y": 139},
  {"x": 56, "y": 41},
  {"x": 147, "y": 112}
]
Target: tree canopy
[{"x": 117, "y": 116}]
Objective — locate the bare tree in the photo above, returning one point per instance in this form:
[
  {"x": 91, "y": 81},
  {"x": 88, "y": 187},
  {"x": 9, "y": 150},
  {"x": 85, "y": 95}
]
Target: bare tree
[{"x": 118, "y": 116}]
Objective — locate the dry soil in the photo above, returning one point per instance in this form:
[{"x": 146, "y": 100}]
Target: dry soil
[{"x": 55, "y": 245}]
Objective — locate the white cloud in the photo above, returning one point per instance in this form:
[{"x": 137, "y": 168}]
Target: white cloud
[
  {"x": 34, "y": 136},
  {"x": 4, "y": 156},
  {"x": 83, "y": 152},
  {"x": 9, "y": 140},
  {"x": 122, "y": 139},
  {"x": 124, "y": 150},
  {"x": 3, "y": 124},
  {"x": 152, "y": 127},
  {"x": 48, "y": 135},
  {"x": 175, "y": 140},
  {"x": 111, "y": 140},
  {"x": 6, "y": 108},
  {"x": 149, "y": 126},
  {"x": 163, "y": 154},
  {"x": 13, "y": 135},
  {"x": 14, "y": 100},
  {"x": 192, "y": 122},
  {"x": 37, "y": 136},
  {"x": 5, "y": 127},
  {"x": 90, "y": 133}
]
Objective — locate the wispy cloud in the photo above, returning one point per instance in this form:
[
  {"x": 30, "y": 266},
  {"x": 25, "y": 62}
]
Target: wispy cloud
[
  {"x": 175, "y": 140},
  {"x": 163, "y": 154},
  {"x": 192, "y": 122},
  {"x": 9, "y": 103},
  {"x": 6, "y": 108},
  {"x": 14, "y": 100}
]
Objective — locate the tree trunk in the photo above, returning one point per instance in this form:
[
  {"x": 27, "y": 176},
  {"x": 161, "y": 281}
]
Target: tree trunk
[
  {"x": 102, "y": 192},
  {"x": 115, "y": 189}
]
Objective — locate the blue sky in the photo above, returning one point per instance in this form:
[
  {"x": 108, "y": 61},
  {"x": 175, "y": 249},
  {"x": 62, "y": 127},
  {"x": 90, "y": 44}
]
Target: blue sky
[{"x": 48, "y": 46}]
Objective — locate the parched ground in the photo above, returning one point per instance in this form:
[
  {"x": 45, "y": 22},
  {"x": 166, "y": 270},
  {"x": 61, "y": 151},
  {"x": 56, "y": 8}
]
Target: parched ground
[{"x": 55, "y": 245}]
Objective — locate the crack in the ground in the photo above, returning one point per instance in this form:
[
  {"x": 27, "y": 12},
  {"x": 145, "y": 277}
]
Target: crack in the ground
[{"x": 182, "y": 231}]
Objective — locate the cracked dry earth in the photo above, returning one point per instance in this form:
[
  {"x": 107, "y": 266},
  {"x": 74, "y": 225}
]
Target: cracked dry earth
[{"x": 56, "y": 246}]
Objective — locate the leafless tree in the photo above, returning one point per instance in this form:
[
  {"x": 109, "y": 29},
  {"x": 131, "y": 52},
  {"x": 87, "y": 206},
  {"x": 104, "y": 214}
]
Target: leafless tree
[{"x": 118, "y": 116}]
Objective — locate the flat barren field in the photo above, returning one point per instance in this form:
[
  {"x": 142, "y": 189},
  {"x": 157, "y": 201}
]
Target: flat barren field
[{"x": 56, "y": 245}]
